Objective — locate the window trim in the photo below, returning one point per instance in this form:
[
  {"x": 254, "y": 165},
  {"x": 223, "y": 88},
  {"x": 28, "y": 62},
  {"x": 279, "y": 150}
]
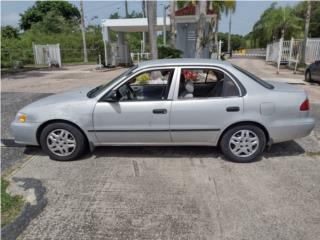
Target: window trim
[
  {"x": 236, "y": 82},
  {"x": 138, "y": 72}
]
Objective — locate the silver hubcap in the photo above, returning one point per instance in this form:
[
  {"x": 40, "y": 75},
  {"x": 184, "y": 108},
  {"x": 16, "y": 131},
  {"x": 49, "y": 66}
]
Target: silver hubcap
[
  {"x": 61, "y": 142},
  {"x": 244, "y": 143}
]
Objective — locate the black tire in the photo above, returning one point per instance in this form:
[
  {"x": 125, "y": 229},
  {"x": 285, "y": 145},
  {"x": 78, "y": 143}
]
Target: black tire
[
  {"x": 80, "y": 140},
  {"x": 307, "y": 76},
  {"x": 224, "y": 144}
]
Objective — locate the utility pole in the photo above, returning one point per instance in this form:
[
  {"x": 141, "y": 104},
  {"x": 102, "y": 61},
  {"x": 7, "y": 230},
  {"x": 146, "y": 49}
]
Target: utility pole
[
  {"x": 172, "y": 22},
  {"x": 85, "y": 54},
  {"x": 229, "y": 35},
  {"x": 165, "y": 24},
  {"x": 126, "y": 7},
  {"x": 143, "y": 33}
]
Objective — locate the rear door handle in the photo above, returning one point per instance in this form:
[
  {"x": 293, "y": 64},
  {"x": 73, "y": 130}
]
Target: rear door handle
[
  {"x": 233, "y": 109},
  {"x": 159, "y": 111}
]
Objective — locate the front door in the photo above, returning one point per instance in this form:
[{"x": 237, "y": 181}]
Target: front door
[
  {"x": 206, "y": 100},
  {"x": 141, "y": 113}
]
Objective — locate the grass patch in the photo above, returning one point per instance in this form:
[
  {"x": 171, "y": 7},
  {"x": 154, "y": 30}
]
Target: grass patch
[
  {"x": 313, "y": 154},
  {"x": 10, "y": 205}
]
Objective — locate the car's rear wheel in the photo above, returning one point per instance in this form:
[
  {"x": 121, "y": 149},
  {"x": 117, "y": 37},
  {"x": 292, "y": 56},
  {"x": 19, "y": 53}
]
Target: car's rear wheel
[
  {"x": 62, "y": 141},
  {"x": 243, "y": 143},
  {"x": 308, "y": 76}
]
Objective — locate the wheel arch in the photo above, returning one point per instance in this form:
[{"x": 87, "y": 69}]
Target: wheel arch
[
  {"x": 43, "y": 125},
  {"x": 264, "y": 129}
]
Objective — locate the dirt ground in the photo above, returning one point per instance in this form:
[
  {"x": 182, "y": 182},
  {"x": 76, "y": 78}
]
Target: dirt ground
[
  {"x": 268, "y": 72},
  {"x": 56, "y": 80}
]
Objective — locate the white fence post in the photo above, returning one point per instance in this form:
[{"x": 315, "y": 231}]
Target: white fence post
[
  {"x": 219, "y": 49},
  {"x": 290, "y": 51},
  {"x": 279, "y": 54}
]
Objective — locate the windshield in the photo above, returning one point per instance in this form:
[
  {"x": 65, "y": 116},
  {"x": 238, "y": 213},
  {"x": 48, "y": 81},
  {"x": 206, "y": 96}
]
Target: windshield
[
  {"x": 254, "y": 77},
  {"x": 97, "y": 90}
]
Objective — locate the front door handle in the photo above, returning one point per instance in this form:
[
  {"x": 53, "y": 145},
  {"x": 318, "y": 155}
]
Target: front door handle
[
  {"x": 159, "y": 111},
  {"x": 233, "y": 109}
]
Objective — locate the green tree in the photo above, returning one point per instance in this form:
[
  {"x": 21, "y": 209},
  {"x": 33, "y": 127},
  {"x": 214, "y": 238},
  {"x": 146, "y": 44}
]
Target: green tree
[
  {"x": 219, "y": 7},
  {"x": 40, "y": 9},
  {"x": 9, "y": 32},
  {"x": 277, "y": 22}
]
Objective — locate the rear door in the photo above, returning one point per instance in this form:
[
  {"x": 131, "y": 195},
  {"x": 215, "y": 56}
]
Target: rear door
[{"x": 200, "y": 119}]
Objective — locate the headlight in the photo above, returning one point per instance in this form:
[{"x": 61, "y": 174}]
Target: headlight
[{"x": 22, "y": 117}]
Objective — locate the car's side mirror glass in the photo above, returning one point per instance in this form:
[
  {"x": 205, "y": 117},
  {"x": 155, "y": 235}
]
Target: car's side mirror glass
[{"x": 112, "y": 96}]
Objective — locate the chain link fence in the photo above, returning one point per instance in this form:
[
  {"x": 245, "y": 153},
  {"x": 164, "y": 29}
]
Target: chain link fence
[{"x": 11, "y": 58}]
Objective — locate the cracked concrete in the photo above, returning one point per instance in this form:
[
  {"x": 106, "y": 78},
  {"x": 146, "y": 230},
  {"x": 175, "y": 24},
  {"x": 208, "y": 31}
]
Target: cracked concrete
[{"x": 177, "y": 193}]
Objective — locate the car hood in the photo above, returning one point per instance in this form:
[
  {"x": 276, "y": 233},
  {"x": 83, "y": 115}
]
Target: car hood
[
  {"x": 285, "y": 87},
  {"x": 60, "y": 98}
]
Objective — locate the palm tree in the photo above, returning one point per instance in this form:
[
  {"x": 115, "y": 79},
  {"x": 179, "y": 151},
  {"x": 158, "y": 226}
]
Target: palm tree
[
  {"x": 201, "y": 8},
  {"x": 306, "y": 30},
  {"x": 152, "y": 22},
  {"x": 218, "y": 7}
]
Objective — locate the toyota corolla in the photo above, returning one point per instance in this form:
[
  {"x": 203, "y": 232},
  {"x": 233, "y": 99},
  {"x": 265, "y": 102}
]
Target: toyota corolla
[{"x": 165, "y": 103}]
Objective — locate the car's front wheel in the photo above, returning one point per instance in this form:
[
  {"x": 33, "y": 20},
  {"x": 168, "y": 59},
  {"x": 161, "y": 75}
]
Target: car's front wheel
[
  {"x": 62, "y": 141},
  {"x": 243, "y": 143}
]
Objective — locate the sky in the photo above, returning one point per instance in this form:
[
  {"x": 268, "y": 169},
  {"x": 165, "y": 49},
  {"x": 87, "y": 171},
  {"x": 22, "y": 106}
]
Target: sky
[{"x": 245, "y": 16}]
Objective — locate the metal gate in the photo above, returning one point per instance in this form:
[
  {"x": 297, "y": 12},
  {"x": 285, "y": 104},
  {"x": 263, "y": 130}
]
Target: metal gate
[{"x": 48, "y": 54}]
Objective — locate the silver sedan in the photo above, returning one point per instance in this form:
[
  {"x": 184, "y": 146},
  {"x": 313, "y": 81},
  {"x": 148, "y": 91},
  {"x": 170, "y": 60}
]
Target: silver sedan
[{"x": 169, "y": 102}]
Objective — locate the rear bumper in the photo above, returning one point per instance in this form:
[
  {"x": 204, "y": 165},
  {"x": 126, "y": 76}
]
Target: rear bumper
[
  {"x": 25, "y": 133},
  {"x": 289, "y": 130}
]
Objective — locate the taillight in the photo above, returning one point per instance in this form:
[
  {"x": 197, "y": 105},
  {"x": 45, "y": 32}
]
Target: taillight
[{"x": 305, "y": 105}]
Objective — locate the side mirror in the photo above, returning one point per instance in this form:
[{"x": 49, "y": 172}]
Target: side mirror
[{"x": 111, "y": 97}]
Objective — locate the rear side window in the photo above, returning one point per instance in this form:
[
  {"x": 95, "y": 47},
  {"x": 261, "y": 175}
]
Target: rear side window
[
  {"x": 254, "y": 77},
  {"x": 205, "y": 83}
]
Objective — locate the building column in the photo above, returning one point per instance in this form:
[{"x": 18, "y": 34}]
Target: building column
[{"x": 107, "y": 46}]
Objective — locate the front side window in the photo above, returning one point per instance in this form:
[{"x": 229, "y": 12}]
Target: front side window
[
  {"x": 205, "y": 83},
  {"x": 147, "y": 86}
]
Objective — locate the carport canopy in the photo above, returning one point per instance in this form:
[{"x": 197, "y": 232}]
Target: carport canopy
[{"x": 133, "y": 24}]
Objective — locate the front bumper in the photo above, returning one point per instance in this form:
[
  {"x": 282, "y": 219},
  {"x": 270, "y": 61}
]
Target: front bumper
[{"x": 25, "y": 133}]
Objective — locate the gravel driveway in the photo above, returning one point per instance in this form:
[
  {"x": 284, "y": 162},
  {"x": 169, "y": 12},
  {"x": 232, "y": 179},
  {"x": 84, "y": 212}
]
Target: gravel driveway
[{"x": 167, "y": 192}]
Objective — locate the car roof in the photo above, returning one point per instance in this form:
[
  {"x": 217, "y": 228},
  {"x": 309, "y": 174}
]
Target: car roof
[{"x": 183, "y": 61}]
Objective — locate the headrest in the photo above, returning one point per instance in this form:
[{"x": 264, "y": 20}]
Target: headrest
[{"x": 189, "y": 86}]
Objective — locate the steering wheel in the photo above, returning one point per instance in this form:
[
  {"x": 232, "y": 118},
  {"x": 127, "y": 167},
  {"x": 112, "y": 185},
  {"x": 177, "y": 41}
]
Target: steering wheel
[{"x": 131, "y": 94}]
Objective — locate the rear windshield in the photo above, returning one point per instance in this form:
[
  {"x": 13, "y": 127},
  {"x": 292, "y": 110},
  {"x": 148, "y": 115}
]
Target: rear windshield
[{"x": 254, "y": 77}]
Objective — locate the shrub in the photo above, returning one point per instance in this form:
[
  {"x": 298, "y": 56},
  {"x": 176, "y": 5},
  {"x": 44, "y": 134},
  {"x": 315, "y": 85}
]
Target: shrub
[{"x": 169, "y": 52}]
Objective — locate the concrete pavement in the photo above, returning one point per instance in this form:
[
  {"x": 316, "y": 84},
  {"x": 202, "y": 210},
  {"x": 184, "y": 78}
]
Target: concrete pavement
[{"x": 177, "y": 193}]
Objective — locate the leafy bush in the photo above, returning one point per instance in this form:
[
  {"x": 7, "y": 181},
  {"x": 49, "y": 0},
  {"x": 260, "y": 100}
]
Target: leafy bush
[{"x": 169, "y": 52}]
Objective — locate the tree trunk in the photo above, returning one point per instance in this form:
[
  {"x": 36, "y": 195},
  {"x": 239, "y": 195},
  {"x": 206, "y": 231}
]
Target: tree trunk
[
  {"x": 201, "y": 14},
  {"x": 152, "y": 22},
  {"x": 216, "y": 30},
  {"x": 211, "y": 35},
  {"x": 306, "y": 31},
  {"x": 229, "y": 34},
  {"x": 173, "y": 22}
]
